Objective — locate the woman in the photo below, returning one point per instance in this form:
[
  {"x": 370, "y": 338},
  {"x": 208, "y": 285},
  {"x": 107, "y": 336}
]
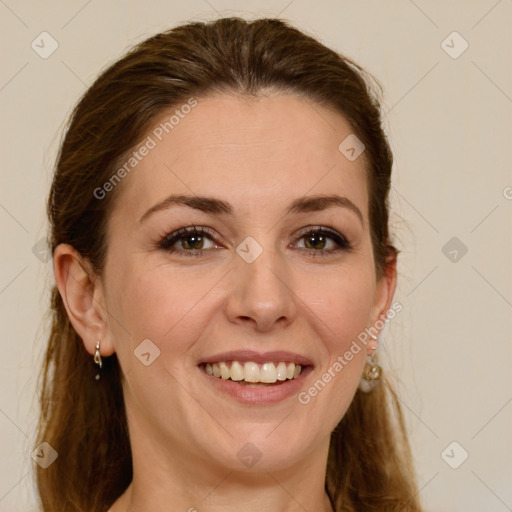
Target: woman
[{"x": 219, "y": 229}]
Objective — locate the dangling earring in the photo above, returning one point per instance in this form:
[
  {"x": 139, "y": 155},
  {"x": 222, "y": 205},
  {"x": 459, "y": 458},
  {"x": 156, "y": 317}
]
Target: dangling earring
[
  {"x": 97, "y": 359},
  {"x": 372, "y": 371}
]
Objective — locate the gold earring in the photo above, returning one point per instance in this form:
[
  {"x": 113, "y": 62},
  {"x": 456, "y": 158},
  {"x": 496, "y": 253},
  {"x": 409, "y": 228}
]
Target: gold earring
[
  {"x": 372, "y": 370},
  {"x": 97, "y": 359},
  {"x": 97, "y": 355}
]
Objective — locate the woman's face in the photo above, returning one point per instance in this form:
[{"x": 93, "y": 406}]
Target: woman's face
[{"x": 256, "y": 287}]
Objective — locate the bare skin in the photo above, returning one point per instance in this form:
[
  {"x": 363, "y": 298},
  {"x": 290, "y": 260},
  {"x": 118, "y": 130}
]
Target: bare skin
[{"x": 259, "y": 156}]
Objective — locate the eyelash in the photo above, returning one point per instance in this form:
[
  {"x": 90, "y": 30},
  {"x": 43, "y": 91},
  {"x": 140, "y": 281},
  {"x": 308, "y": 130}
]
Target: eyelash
[{"x": 167, "y": 241}]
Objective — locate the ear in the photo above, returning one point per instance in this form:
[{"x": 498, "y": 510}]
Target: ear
[
  {"x": 384, "y": 292},
  {"x": 82, "y": 293}
]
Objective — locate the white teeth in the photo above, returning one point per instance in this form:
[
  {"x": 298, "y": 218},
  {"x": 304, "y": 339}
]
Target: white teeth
[
  {"x": 224, "y": 370},
  {"x": 252, "y": 372},
  {"x": 281, "y": 371},
  {"x": 237, "y": 371},
  {"x": 268, "y": 373}
]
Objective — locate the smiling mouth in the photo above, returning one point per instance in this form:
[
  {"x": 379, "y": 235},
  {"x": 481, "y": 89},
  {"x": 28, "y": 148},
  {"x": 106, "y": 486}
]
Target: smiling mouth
[{"x": 251, "y": 374}]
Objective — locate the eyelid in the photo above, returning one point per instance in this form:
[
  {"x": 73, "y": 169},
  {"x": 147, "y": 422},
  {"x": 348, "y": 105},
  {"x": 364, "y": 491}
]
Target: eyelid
[{"x": 315, "y": 228}]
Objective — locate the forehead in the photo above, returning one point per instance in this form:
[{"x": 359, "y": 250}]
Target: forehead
[{"x": 256, "y": 151}]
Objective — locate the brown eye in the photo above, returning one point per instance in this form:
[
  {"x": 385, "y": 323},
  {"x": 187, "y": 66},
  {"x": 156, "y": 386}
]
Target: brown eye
[
  {"x": 191, "y": 239},
  {"x": 316, "y": 241}
]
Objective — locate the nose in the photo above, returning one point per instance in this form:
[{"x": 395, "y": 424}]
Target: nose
[{"x": 262, "y": 288}]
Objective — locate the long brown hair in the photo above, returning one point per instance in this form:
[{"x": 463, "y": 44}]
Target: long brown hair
[{"x": 369, "y": 465}]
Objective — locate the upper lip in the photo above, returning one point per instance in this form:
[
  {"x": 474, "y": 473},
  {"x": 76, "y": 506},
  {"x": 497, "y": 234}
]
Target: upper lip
[{"x": 258, "y": 357}]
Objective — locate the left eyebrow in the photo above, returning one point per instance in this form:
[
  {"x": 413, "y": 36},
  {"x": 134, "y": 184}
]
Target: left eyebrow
[
  {"x": 319, "y": 203},
  {"x": 217, "y": 206}
]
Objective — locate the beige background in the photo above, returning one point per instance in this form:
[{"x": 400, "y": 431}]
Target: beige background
[{"x": 449, "y": 123}]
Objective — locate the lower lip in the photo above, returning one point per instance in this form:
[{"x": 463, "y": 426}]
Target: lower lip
[{"x": 264, "y": 395}]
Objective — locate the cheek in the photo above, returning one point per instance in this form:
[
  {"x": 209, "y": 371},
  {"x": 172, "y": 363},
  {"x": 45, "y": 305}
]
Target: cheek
[
  {"x": 342, "y": 307},
  {"x": 160, "y": 305},
  {"x": 342, "y": 302}
]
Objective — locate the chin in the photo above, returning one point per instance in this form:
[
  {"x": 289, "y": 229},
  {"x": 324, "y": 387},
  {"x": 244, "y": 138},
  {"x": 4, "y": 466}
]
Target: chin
[{"x": 263, "y": 447}]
